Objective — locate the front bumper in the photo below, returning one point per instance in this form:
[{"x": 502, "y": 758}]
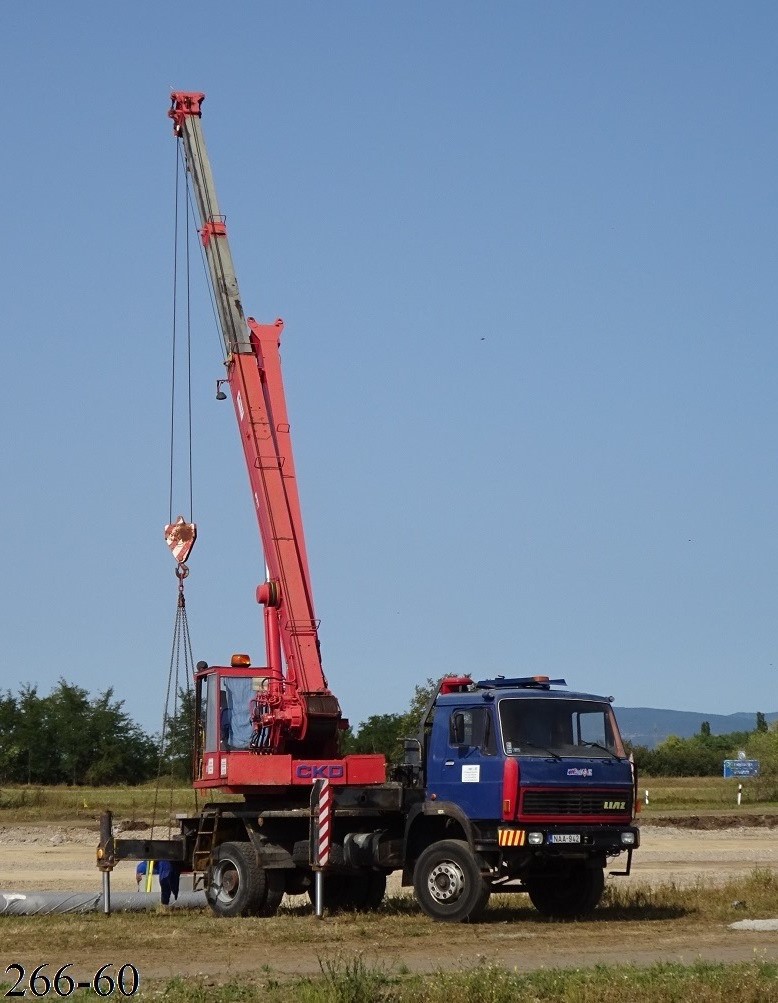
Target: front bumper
[{"x": 569, "y": 840}]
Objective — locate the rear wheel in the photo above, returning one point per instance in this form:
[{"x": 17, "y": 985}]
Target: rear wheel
[
  {"x": 276, "y": 886},
  {"x": 237, "y": 885},
  {"x": 448, "y": 882},
  {"x": 572, "y": 891}
]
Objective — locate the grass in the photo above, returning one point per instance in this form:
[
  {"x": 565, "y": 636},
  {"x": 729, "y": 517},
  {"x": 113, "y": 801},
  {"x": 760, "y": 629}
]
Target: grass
[
  {"x": 37, "y": 805},
  {"x": 702, "y": 795},
  {"x": 355, "y": 981},
  {"x": 636, "y": 908},
  {"x": 352, "y": 950}
]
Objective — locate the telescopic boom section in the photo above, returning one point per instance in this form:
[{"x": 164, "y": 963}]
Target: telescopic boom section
[{"x": 305, "y": 715}]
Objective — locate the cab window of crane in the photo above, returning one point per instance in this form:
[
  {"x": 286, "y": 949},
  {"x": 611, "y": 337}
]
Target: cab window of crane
[
  {"x": 235, "y": 728},
  {"x": 473, "y": 728},
  {"x": 208, "y": 703},
  {"x": 537, "y": 727}
]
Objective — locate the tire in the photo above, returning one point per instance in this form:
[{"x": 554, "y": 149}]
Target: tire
[
  {"x": 276, "y": 886},
  {"x": 236, "y": 884},
  {"x": 574, "y": 891},
  {"x": 352, "y": 892},
  {"x": 448, "y": 883},
  {"x": 298, "y": 882},
  {"x": 375, "y": 889}
]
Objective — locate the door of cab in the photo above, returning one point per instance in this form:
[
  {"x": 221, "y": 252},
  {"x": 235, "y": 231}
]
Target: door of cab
[{"x": 463, "y": 765}]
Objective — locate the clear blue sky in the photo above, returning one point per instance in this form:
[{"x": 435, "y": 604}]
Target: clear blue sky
[{"x": 526, "y": 257}]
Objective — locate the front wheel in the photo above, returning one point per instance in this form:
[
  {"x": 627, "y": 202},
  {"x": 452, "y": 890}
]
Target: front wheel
[
  {"x": 448, "y": 883},
  {"x": 573, "y": 891},
  {"x": 237, "y": 885}
]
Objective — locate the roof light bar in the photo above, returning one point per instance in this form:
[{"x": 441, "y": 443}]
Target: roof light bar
[{"x": 520, "y": 682}]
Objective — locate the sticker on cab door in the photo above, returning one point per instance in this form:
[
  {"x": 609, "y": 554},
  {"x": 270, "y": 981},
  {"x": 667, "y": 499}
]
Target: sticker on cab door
[{"x": 471, "y": 774}]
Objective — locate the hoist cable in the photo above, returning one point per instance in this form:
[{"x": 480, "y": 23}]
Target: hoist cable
[
  {"x": 189, "y": 367},
  {"x": 182, "y": 712},
  {"x": 181, "y": 715},
  {"x": 173, "y": 350}
]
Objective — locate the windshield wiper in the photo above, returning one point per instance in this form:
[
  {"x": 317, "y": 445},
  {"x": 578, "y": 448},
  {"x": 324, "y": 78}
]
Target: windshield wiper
[
  {"x": 597, "y": 745},
  {"x": 544, "y": 748}
]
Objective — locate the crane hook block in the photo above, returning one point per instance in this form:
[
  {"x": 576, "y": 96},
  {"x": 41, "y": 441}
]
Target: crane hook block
[{"x": 180, "y": 536}]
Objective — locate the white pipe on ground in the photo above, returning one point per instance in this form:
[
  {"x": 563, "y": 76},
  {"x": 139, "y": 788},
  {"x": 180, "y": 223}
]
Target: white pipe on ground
[{"x": 49, "y": 903}]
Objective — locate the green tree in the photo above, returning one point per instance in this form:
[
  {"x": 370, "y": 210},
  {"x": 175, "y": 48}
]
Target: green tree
[
  {"x": 68, "y": 737},
  {"x": 180, "y": 738},
  {"x": 70, "y": 713},
  {"x": 384, "y": 733},
  {"x": 763, "y": 746},
  {"x": 422, "y": 694},
  {"x": 705, "y": 729},
  {"x": 761, "y": 722},
  {"x": 381, "y": 733},
  {"x": 37, "y": 740},
  {"x": 121, "y": 751},
  {"x": 9, "y": 738}
]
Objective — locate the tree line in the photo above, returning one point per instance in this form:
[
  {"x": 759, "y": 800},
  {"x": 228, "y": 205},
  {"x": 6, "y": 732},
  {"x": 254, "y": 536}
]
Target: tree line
[
  {"x": 703, "y": 754},
  {"x": 70, "y": 737}
]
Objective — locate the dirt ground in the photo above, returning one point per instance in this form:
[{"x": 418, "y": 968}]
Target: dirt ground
[{"x": 62, "y": 859}]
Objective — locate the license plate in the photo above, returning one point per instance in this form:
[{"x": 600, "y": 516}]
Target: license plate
[{"x": 564, "y": 837}]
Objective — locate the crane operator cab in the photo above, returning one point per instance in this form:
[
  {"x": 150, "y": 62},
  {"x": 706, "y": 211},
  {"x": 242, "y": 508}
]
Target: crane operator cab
[{"x": 231, "y": 707}]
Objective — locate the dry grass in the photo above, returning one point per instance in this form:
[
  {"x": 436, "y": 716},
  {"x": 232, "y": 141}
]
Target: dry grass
[
  {"x": 82, "y": 805},
  {"x": 635, "y": 908},
  {"x": 701, "y": 795}
]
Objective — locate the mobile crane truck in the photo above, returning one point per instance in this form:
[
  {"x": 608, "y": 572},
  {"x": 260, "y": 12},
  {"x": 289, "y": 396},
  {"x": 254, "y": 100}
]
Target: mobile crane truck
[{"x": 512, "y": 784}]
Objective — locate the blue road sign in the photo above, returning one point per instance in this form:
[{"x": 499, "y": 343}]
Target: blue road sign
[{"x": 741, "y": 768}]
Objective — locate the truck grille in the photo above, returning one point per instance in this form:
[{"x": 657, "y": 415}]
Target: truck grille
[{"x": 573, "y": 803}]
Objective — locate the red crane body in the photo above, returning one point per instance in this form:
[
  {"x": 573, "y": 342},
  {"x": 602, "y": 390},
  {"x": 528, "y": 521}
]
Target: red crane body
[{"x": 276, "y": 725}]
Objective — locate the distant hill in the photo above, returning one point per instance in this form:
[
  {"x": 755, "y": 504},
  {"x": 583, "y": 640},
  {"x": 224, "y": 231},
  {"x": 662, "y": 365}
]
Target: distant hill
[{"x": 649, "y": 726}]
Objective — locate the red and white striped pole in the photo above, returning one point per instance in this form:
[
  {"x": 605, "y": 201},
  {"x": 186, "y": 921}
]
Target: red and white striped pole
[
  {"x": 321, "y": 803},
  {"x": 325, "y": 823}
]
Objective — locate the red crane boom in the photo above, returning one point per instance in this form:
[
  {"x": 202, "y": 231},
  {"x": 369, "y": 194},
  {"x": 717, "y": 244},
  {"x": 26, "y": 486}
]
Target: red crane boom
[{"x": 294, "y": 711}]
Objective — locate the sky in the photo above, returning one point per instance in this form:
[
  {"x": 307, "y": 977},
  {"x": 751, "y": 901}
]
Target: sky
[{"x": 526, "y": 258}]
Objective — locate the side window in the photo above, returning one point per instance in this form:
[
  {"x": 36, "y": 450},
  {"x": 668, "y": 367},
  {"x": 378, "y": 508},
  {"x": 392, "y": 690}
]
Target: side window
[
  {"x": 592, "y": 728},
  {"x": 209, "y": 698},
  {"x": 461, "y": 729},
  {"x": 473, "y": 728}
]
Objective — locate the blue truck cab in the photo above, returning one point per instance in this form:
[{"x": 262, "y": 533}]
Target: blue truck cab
[{"x": 530, "y": 789}]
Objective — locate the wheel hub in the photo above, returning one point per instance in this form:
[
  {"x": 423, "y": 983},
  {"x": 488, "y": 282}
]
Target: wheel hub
[
  {"x": 446, "y": 881},
  {"x": 226, "y": 881}
]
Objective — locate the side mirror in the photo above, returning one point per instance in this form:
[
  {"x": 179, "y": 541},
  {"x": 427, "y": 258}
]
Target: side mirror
[{"x": 458, "y": 729}]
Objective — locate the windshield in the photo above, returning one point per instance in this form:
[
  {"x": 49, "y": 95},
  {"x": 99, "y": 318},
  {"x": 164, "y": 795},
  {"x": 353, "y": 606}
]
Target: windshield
[{"x": 538, "y": 727}]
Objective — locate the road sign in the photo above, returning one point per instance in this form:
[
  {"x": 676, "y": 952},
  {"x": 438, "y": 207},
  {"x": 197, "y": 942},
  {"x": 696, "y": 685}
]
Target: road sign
[{"x": 741, "y": 768}]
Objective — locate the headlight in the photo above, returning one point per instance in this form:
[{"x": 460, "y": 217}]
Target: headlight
[
  {"x": 535, "y": 838},
  {"x": 628, "y": 839}
]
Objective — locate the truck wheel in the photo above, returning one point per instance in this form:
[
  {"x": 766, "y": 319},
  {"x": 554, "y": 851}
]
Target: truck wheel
[
  {"x": 572, "y": 892},
  {"x": 448, "y": 883},
  {"x": 276, "y": 886},
  {"x": 236, "y": 884},
  {"x": 374, "y": 891},
  {"x": 298, "y": 882},
  {"x": 352, "y": 892}
]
